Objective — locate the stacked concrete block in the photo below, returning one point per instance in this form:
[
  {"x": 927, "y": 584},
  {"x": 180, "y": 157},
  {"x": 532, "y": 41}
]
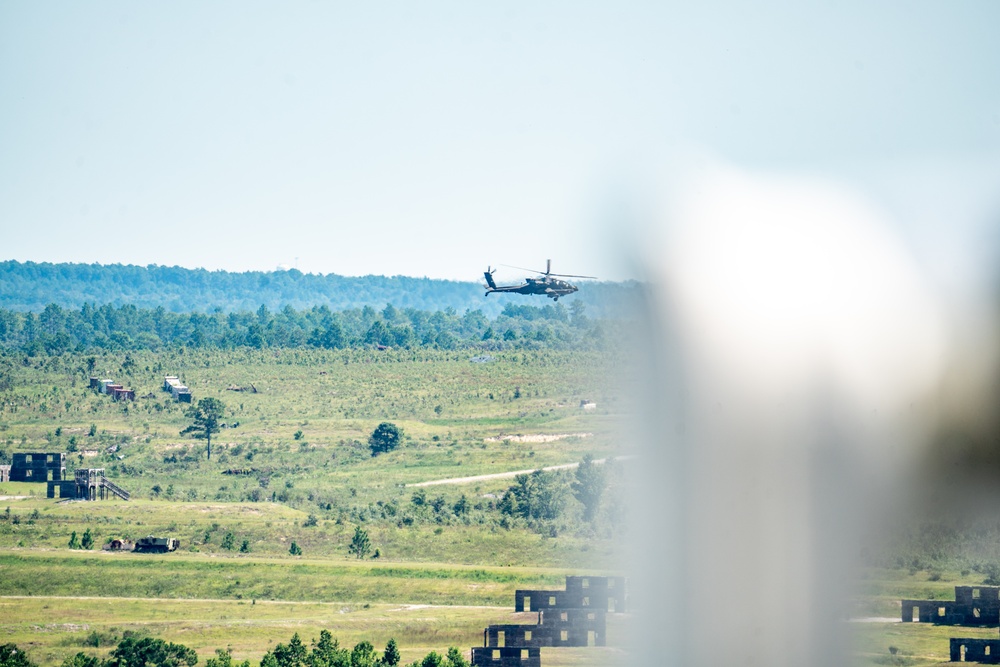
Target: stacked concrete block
[
  {"x": 973, "y": 606},
  {"x": 985, "y": 651},
  {"x": 38, "y": 467},
  {"x": 112, "y": 389},
  {"x": 508, "y": 656},
  {"x": 575, "y": 616},
  {"x": 178, "y": 391}
]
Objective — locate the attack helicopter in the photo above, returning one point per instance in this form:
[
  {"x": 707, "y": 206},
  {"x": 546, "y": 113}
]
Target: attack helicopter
[{"x": 548, "y": 284}]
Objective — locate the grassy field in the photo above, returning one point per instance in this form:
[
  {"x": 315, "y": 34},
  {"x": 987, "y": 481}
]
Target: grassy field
[
  {"x": 52, "y": 627},
  {"x": 270, "y": 528},
  {"x": 77, "y": 573},
  {"x": 446, "y": 406},
  {"x": 441, "y": 577},
  {"x": 308, "y": 477}
]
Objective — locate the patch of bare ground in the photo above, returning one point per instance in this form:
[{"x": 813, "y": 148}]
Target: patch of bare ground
[{"x": 537, "y": 437}]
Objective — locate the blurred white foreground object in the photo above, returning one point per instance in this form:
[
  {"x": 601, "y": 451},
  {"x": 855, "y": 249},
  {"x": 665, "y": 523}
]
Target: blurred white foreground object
[{"x": 794, "y": 342}]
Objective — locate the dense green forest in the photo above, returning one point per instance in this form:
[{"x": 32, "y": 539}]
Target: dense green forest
[
  {"x": 120, "y": 328},
  {"x": 30, "y": 286}
]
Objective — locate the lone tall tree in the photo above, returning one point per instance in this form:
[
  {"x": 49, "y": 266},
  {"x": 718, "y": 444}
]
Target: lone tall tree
[
  {"x": 384, "y": 438},
  {"x": 589, "y": 486},
  {"x": 206, "y": 415},
  {"x": 360, "y": 544}
]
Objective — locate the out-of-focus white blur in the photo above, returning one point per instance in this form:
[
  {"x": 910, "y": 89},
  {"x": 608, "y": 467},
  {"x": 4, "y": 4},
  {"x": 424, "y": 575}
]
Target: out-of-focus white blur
[{"x": 795, "y": 354}]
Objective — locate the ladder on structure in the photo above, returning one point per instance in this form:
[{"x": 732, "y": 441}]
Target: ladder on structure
[{"x": 114, "y": 488}]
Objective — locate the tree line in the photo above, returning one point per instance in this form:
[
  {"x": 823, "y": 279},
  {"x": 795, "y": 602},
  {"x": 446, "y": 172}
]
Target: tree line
[
  {"x": 31, "y": 286},
  {"x": 57, "y": 330},
  {"x": 135, "y": 650}
]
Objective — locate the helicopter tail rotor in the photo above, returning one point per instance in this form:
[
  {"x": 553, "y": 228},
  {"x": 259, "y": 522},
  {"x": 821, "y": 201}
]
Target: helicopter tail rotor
[{"x": 488, "y": 274}]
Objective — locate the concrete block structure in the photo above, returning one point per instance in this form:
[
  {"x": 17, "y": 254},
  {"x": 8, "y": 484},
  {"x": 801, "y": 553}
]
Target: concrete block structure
[
  {"x": 508, "y": 656},
  {"x": 122, "y": 394},
  {"x": 973, "y": 606},
  {"x": 50, "y": 468},
  {"x": 555, "y": 627},
  {"x": 574, "y": 616},
  {"x": 38, "y": 467},
  {"x": 605, "y": 593},
  {"x": 87, "y": 484},
  {"x": 115, "y": 391},
  {"x": 985, "y": 651},
  {"x": 172, "y": 384}
]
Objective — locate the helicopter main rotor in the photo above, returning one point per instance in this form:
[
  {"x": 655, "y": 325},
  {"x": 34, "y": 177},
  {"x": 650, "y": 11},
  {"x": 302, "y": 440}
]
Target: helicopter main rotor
[{"x": 548, "y": 271}]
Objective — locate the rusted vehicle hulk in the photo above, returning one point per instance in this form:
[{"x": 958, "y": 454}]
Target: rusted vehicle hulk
[{"x": 154, "y": 545}]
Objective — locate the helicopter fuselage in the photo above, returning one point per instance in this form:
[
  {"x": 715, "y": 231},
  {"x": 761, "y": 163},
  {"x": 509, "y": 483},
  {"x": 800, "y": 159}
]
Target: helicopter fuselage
[{"x": 549, "y": 287}]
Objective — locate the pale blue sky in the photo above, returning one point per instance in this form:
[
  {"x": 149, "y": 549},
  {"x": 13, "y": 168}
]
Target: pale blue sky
[{"x": 435, "y": 138}]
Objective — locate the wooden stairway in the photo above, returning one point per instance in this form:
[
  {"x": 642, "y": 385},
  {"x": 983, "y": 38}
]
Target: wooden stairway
[{"x": 114, "y": 488}]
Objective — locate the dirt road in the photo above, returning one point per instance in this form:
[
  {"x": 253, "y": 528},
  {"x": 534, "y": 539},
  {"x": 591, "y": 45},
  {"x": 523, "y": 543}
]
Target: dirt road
[{"x": 515, "y": 473}]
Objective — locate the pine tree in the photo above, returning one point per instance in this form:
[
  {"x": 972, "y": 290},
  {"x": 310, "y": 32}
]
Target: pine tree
[
  {"x": 391, "y": 655},
  {"x": 589, "y": 486},
  {"x": 360, "y": 544},
  {"x": 207, "y": 416}
]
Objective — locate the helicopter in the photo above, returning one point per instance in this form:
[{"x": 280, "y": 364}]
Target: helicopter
[{"x": 547, "y": 284}]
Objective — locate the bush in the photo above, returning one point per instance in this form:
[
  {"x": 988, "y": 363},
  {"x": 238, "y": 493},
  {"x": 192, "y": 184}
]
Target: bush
[{"x": 12, "y": 656}]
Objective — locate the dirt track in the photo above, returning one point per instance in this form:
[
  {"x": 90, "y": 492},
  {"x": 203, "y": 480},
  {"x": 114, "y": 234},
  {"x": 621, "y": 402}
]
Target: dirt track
[{"x": 502, "y": 475}]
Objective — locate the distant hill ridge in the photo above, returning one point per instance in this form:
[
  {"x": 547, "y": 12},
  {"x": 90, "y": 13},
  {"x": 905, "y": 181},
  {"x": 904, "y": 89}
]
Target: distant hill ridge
[{"x": 30, "y": 286}]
